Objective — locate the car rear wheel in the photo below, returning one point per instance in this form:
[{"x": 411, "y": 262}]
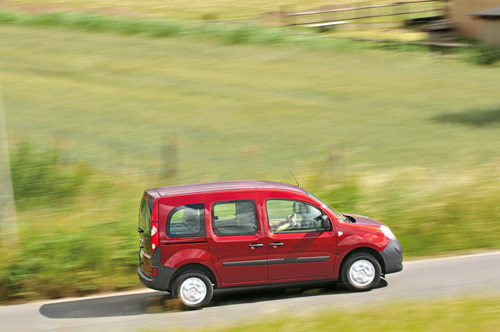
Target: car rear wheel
[
  {"x": 361, "y": 272},
  {"x": 194, "y": 289}
]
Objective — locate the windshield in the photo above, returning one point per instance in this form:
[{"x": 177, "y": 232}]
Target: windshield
[{"x": 323, "y": 204}]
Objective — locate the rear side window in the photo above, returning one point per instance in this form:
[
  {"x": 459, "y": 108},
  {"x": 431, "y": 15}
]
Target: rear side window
[
  {"x": 186, "y": 221},
  {"x": 234, "y": 218}
]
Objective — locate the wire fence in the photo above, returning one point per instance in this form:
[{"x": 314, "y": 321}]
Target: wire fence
[{"x": 365, "y": 12}]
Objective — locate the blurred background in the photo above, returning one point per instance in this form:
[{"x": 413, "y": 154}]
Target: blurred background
[{"x": 385, "y": 110}]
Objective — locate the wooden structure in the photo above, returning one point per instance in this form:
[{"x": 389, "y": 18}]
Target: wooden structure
[
  {"x": 488, "y": 26},
  {"x": 460, "y": 12},
  {"x": 347, "y": 14}
]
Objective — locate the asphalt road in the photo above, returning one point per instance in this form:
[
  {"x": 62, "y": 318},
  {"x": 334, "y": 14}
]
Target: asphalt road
[{"x": 474, "y": 275}]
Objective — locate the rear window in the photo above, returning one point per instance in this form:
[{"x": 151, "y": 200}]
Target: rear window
[
  {"x": 234, "y": 218},
  {"x": 145, "y": 217},
  {"x": 186, "y": 221}
]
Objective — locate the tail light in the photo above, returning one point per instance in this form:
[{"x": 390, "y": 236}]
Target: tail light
[{"x": 155, "y": 239}]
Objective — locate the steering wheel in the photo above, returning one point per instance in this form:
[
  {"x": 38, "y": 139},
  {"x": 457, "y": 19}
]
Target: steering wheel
[{"x": 308, "y": 223}]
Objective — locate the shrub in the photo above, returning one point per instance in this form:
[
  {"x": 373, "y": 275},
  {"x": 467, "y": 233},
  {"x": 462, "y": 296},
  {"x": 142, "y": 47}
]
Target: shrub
[
  {"x": 42, "y": 176},
  {"x": 484, "y": 55}
]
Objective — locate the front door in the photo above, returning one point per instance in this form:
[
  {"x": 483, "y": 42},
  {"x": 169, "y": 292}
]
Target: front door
[
  {"x": 237, "y": 241},
  {"x": 298, "y": 246}
]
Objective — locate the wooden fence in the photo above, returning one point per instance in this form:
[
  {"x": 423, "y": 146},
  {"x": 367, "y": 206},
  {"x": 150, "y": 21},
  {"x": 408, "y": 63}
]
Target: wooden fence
[{"x": 341, "y": 15}]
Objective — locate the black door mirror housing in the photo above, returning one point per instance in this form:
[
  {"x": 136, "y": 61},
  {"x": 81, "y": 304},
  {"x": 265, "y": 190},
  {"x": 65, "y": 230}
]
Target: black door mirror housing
[{"x": 325, "y": 222}]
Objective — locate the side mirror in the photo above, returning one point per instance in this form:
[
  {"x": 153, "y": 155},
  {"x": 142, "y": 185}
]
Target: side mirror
[{"x": 325, "y": 223}]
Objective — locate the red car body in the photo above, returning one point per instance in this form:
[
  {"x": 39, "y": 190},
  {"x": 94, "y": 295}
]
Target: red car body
[{"x": 191, "y": 229}]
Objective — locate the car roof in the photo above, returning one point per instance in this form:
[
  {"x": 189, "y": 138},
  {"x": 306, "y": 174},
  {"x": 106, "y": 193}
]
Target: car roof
[{"x": 223, "y": 186}]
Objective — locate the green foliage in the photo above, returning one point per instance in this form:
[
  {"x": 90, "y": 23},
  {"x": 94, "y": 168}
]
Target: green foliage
[
  {"x": 90, "y": 245},
  {"x": 238, "y": 33},
  {"x": 57, "y": 260},
  {"x": 483, "y": 54},
  {"x": 9, "y": 17},
  {"x": 40, "y": 177},
  {"x": 235, "y": 33},
  {"x": 345, "y": 196},
  {"x": 429, "y": 214},
  {"x": 84, "y": 246}
]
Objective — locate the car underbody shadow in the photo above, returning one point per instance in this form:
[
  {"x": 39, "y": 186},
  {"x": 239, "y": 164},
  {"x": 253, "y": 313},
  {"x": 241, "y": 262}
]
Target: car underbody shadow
[
  {"x": 119, "y": 305},
  {"x": 279, "y": 292},
  {"x": 160, "y": 302}
]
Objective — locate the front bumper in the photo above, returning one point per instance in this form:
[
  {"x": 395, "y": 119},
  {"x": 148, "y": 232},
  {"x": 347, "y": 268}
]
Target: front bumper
[{"x": 393, "y": 257}]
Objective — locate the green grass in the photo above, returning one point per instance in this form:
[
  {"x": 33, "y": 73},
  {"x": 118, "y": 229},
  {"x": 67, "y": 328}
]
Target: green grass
[
  {"x": 457, "y": 314},
  {"x": 371, "y": 131},
  {"x": 82, "y": 243},
  {"x": 240, "y": 33},
  {"x": 115, "y": 99}
]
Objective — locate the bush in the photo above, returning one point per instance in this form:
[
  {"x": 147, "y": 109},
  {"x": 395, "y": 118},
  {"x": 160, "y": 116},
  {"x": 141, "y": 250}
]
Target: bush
[
  {"x": 484, "y": 55},
  {"x": 429, "y": 213},
  {"x": 41, "y": 176}
]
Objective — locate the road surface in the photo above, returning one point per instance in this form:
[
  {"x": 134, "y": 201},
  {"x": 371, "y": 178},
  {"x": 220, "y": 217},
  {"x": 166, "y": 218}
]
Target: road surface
[{"x": 477, "y": 275}]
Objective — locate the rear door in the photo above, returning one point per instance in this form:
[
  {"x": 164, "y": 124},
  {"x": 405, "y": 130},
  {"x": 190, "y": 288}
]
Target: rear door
[
  {"x": 144, "y": 229},
  {"x": 236, "y": 238},
  {"x": 298, "y": 247}
]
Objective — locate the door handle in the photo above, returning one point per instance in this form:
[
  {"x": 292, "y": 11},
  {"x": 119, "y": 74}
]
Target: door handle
[
  {"x": 255, "y": 245},
  {"x": 276, "y": 244}
]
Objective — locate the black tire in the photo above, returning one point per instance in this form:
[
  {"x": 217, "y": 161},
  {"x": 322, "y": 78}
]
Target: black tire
[
  {"x": 189, "y": 289},
  {"x": 360, "y": 272}
]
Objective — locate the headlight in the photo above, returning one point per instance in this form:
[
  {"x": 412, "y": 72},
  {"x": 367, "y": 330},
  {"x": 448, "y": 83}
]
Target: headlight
[{"x": 387, "y": 232}]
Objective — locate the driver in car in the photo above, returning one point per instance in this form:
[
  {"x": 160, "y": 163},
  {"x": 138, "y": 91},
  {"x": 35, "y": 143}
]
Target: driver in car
[{"x": 289, "y": 223}]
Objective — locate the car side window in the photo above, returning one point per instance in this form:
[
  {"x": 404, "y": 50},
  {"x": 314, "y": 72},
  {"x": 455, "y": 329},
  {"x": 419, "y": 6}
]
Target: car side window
[
  {"x": 186, "y": 221},
  {"x": 234, "y": 218},
  {"x": 285, "y": 216}
]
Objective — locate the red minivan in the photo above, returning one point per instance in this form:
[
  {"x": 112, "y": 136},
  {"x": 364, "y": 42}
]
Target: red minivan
[{"x": 198, "y": 237}]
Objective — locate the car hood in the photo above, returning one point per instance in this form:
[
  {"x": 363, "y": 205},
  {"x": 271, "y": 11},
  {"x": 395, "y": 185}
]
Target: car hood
[{"x": 363, "y": 220}]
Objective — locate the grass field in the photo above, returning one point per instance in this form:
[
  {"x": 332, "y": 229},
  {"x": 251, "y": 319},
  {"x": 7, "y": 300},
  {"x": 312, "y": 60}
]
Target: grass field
[
  {"x": 115, "y": 99},
  {"x": 410, "y": 138},
  {"x": 180, "y": 9},
  {"x": 457, "y": 314}
]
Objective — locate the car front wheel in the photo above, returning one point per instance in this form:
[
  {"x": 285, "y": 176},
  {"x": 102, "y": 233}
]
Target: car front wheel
[{"x": 361, "y": 272}]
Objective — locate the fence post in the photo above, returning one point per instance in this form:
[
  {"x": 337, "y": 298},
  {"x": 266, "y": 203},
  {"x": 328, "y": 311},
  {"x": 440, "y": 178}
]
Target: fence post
[
  {"x": 336, "y": 161},
  {"x": 287, "y": 20},
  {"x": 8, "y": 219},
  {"x": 370, "y": 13},
  {"x": 358, "y": 14},
  {"x": 282, "y": 16},
  {"x": 169, "y": 158},
  {"x": 324, "y": 16},
  {"x": 405, "y": 8}
]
